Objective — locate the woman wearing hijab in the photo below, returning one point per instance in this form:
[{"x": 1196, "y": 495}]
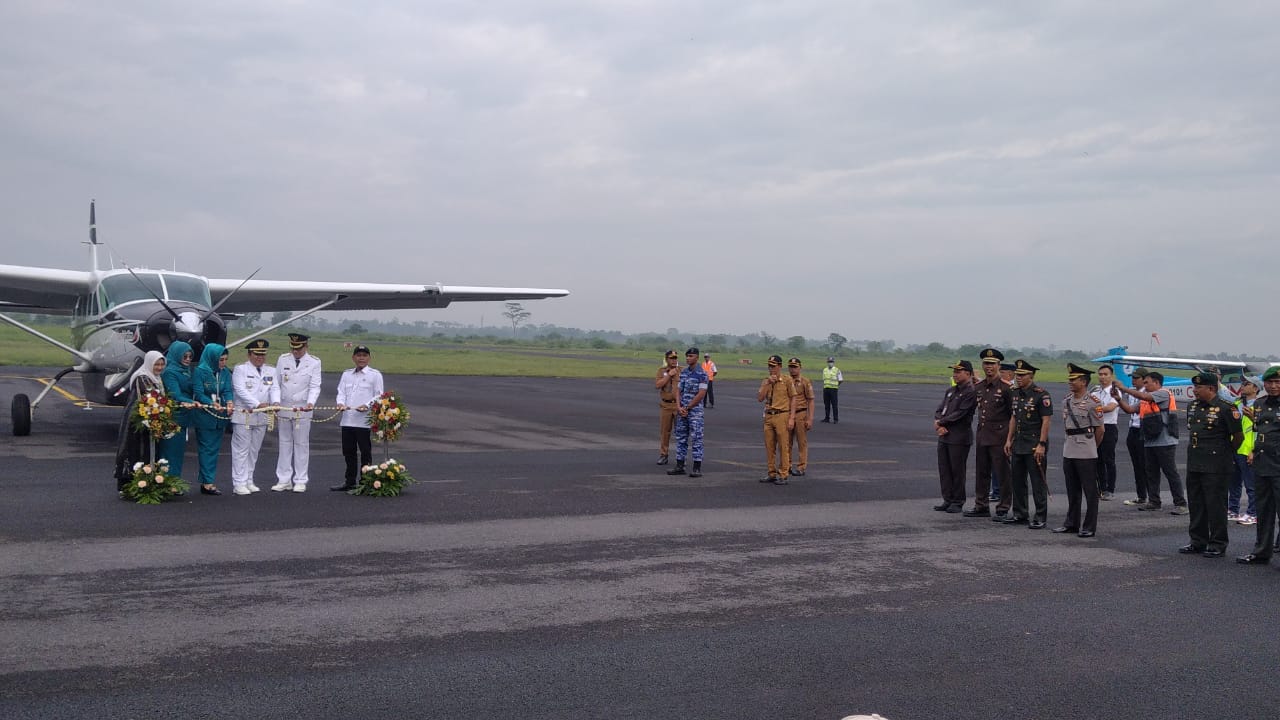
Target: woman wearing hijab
[
  {"x": 212, "y": 389},
  {"x": 135, "y": 445},
  {"x": 177, "y": 384}
]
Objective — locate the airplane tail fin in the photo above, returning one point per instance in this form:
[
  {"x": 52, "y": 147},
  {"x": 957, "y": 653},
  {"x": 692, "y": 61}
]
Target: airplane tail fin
[
  {"x": 93, "y": 236},
  {"x": 1123, "y": 371}
]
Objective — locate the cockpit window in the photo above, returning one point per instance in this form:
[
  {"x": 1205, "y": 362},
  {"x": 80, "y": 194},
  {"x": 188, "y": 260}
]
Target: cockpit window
[
  {"x": 118, "y": 289},
  {"x": 182, "y": 287}
]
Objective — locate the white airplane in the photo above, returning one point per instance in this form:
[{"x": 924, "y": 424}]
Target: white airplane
[
  {"x": 118, "y": 315},
  {"x": 1231, "y": 371}
]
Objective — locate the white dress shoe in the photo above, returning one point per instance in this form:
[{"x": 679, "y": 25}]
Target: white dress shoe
[
  {"x": 281, "y": 487},
  {"x": 299, "y": 488},
  {"x": 254, "y": 488},
  {"x": 241, "y": 491}
]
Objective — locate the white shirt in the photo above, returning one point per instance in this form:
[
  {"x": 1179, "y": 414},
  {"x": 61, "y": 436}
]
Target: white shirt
[
  {"x": 1103, "y": 396},
  {"x": 252, "y": 386},
  {"x": 299, "y": 381},
  {"x": 357, "y": 388}
]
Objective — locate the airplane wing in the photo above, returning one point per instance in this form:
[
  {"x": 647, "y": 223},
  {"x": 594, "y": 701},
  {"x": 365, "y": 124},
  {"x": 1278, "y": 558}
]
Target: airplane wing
[
  {"x": 295, "y": 295},
  {"x": 41, "y": 290},
  {"x": 1225, "y": 367}
]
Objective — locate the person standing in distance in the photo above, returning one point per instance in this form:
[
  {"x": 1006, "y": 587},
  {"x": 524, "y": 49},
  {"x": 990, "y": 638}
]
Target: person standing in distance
[
  {"x": 1110, "y": 410},
  {"x": 299, "y": 379},
  {"x": 1157, "y": 414},
  {"x": 994, "y": 408},
  {"x": 803, "y": 423},
  {"x": 779, "y": 398},
  {"x": 1028, "y": 446},
  {"x": 357, "y": 387},
  {"x": 1083, "y": 427},
  {"x": 689, "y": 414},
  {"x": 710, "y": 369},
  {"x": 1133, "y": 441},
  {"x": 953, "y": 424},
  {"x": 831, "y": 380},
  {"x": 667, "y": 383},
  {"x": 1265, "y": 460},
  {"x": 254, "y": 383},
  {"x": 1214, "y": 435}
]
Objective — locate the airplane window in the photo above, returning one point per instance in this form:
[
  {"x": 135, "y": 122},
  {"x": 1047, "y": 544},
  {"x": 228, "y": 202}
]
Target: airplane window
[
  {"x": 117, "y": 289},
  {"x": 191, "y": 289}
]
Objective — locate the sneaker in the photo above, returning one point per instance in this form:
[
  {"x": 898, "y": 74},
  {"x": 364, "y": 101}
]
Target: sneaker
[
  {"x": 1149, "y": 506},
  {"x": 281, "y": 487},
  {"x": 1135, "y": 501},
  {"x": 1233, "y": 515},
  {"x": 241, "y": 490},
  {"x": 1247, "y": 520},
  {"x": 1105, "y": 496},
  {"x": 299, "y": 488},
  {"x": 1179, "y": 510},
  {"x": 254, "y": 488}
]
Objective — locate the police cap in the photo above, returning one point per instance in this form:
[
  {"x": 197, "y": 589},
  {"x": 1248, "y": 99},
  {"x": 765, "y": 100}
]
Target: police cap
[
  {"x": 775, "y": 360},
  {"x": 991, "y": 355},
  {"x": 1205, "y": 379},
  {"x": 297, "y": 340},
  {"x": 1075, "y": 372},
  {"x": 670, "y": 354},
  {"x": 793, "y": 362},
  {"x": 1007, "y": 366},
  {"x": 691, "y": 351},
  {"x": 258, "y": 347},
  {"x": 361, "y": 349},
  {"x": 831, "y": 359},
  {"x": 1022, "y": 367},
  {"x": 962, "y": 365},
  {"x": 1272, "y": 373}
]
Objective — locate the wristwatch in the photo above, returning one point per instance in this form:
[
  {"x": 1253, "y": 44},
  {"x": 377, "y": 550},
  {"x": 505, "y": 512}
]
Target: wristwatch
[{"x": 1043, "y": 444}]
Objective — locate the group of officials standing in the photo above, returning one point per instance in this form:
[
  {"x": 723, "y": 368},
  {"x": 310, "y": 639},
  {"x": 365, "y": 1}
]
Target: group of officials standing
[
  {"x": 208, "y": 396},
  {"x": 1012, "y": 444},
  {"x": 789, "y": 405}
]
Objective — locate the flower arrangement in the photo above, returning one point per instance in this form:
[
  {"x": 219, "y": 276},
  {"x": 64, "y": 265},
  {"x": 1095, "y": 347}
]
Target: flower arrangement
[
  {"x": 387, "y": 416},
  {"x": 152, "y": 484},
  {"x": 154, "y": 415},
  {"x": 386, "y": 479}
]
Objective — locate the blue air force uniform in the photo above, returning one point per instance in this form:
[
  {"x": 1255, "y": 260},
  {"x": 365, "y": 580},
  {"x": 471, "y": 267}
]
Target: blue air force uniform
[{"x": 693, "y": 386}]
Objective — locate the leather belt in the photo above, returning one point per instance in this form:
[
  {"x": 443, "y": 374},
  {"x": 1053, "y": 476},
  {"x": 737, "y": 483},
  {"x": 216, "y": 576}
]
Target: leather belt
[
  {"x": 1079, "y": 431},
  {"x": 770, "y": 411}
]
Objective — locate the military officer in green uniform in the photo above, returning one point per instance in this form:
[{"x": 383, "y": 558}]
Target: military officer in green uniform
[
  {"x": 1266, "y": 467},
  {"x": 1027, "y": 446},
  {"x": 1214, "y": 434}
]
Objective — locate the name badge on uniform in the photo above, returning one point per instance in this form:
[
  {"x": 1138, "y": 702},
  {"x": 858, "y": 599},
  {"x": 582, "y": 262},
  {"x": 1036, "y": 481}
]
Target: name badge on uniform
[
  {"x": 248, "y": 384},
  {"x": 268, "y": 380}
]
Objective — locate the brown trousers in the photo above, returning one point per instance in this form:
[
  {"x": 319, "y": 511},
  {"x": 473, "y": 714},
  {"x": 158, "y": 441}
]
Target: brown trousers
[
  {"x": 800, "y": 437},
  {"x": 668, "y": 422},
  {"x": 777, "y": 444}
]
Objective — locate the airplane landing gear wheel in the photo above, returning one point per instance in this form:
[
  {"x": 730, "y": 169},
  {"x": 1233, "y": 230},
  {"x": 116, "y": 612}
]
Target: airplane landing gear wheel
[{"x": 21, "y": 411}]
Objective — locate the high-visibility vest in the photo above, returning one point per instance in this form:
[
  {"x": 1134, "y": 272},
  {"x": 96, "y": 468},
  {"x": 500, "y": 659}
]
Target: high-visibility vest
[
  {"x": 1149, "y": 408},
  {"x": 1246, "y": 428},
  {"x": 831, "y": 377},
  {"x": 709, "y": 368}
]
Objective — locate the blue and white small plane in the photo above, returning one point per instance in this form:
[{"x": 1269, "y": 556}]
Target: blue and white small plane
[{"x": 1232, "y": 371}]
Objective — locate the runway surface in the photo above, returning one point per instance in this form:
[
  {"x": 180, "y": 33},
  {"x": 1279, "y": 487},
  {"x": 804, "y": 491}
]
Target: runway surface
[{"x": 546, "y": 568}]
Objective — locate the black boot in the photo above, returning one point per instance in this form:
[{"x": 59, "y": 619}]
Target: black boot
[
  {"x": 678, "y": 469},
  {"x": 697, "y": 469}
]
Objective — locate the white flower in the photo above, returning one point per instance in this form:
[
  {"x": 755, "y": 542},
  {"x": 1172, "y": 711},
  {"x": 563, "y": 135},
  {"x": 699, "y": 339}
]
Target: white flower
[
  {"x": 147, "y": 469},
  {"x": 382, "y": 465},
  {"x": 138, "y": 466},
  {"x": 377, "y": 471},
  {"x": 377, "y": 484},
  {"x": 160, "y": 479},
  {"x": 142, "y": 483}
]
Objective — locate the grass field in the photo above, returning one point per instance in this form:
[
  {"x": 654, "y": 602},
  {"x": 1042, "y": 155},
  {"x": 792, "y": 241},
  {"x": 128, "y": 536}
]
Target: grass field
[{"x": 439, "y": 357}]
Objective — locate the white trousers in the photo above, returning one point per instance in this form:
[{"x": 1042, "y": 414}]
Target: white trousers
[
  {"x": 295, "y": 450},
  {"x": 246, "y": 441}
]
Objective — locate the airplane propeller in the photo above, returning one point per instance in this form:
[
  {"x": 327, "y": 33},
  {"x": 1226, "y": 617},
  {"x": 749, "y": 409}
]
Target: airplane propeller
[{"x": 214, "y": 309}]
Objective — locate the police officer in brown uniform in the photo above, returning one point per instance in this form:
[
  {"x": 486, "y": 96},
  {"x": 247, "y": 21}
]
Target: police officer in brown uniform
[
  {"x": 804, "y": 418},
  {"x": 779, "y": 398},
  {"x": 995, "y": 403},
  {"x": 667, "y": 383},
  {"x": 1214, "y": 434},
  {"x": 1083, "y": 428}
]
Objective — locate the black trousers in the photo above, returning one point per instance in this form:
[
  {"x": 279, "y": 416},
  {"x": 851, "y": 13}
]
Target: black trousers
[
  {"x": 1138, "y": 458},
  {"x": 710, "y": 399},
  {"x": 1161, "y": 460},
  {"x": 353, "y": 439},
  {"x": 1022, "y": 465},
  {"x": 1267, "y": 492},
  {"x": 1082, "y": 479},
  {"x": 991, "y": 458},
  {"x": 952, "y": 460},
  {"x": 1107, "y": 459},
  {"x": 1207, "y": 501},
  {"x": 831, "y": 403}
]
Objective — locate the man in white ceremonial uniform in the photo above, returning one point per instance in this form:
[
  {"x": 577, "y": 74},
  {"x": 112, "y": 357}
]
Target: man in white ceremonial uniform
[
  {"x": 254, "y": 384},
  {"x": 298, "y": 374},
  {"x": 358, "y": 387}
]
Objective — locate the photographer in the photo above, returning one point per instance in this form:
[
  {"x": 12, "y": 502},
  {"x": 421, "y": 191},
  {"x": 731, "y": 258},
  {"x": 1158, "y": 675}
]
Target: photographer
[{"x": 1157, "y": 413}]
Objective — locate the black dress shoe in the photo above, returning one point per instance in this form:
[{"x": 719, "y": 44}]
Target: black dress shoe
[
  {"x": 798, "y": 473},
  {"x": 1013, "y": 520},
  {"x": 1252, "y": 559},
  {"x": 1191, "y": 549},
  {"x": 207, "y": 490},
  {"x": 662, "y": 459},
  {"x": 826, "y": 420},
  {"x": 999, "y": 517},
  {"x": 955, "y": 508},
  {"x": 768, "y": 478},
  {"x": 942, "y": 507},
  {"x": 677, "y": 470},
  {"x": 1214, "y": 552},
  {"x": 977, "y": 512},
  {"x": 781, "y": 481},
  {"x": 1065, "y": 529},
  {"x": 1086, "y": 533},
  {"x": 1036, "y": 525},
  {"x": 342, "y": 488}
]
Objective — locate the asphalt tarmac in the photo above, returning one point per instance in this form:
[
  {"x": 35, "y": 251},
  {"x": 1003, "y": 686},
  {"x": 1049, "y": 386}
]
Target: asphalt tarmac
[{"x": 546, "y": 568}]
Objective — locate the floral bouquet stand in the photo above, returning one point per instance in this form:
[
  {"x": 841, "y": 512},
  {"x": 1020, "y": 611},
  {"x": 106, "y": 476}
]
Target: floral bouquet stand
[
  {"x": 387, "y": 419},
  {"x": 152, "y": 484}
]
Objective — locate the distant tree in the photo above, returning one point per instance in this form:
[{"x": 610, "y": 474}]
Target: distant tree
[
  {"x": 937, "y": 348},
  {"x": 767, "y": 340},
  {"x": 279, "y": 317},
  {"x": 355, "y": 328},
  {"x": 796, "y": 343},
  {"x": 516, "y": 313},
  {"x": 875, "y": 347},
  {"x": 970, "y": 350},
  {"x": 251, "y": 319},
  {"x": 600, "y": 344},
  {"x": 836, "y": 341}
]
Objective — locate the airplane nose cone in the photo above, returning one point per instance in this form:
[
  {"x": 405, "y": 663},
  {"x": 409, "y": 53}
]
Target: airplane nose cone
[{"x": 188, "y": 327}]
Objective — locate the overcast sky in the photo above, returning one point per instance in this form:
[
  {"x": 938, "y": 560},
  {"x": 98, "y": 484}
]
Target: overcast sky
[{"x": 1071, "y": 173}]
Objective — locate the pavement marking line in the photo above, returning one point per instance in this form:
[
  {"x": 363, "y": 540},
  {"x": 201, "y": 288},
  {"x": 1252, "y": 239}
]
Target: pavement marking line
[
  {"x": 46, "y": 382},
  {"x": 736, "y": 463}
]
